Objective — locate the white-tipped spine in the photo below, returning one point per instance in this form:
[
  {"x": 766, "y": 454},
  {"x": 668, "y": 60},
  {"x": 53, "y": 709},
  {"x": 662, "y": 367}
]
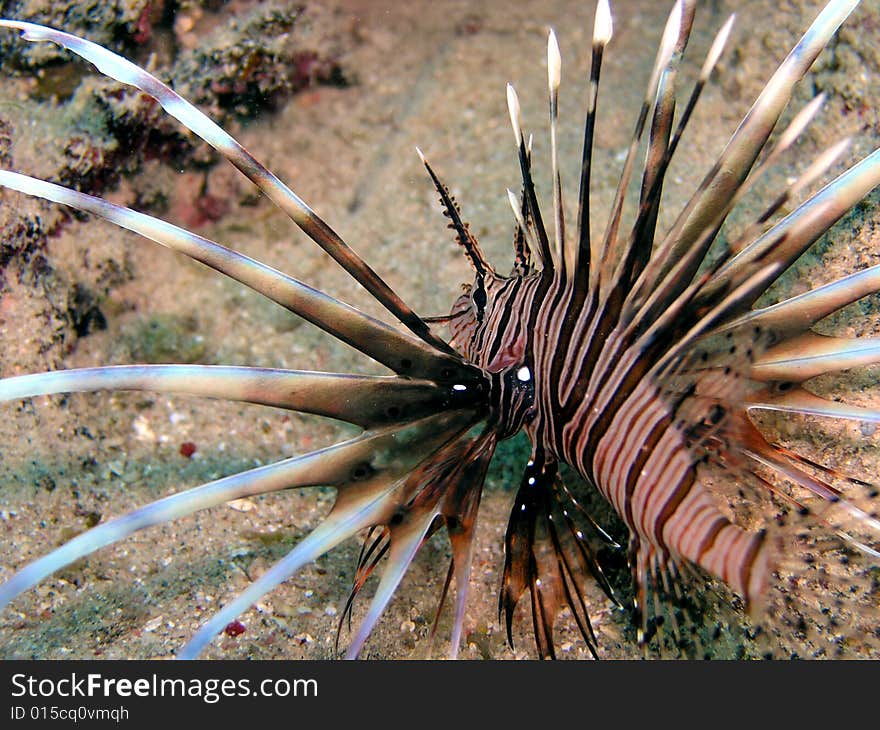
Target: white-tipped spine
[
  {"x": 717, "y": 48},
  {"x": 554, "y": 77},
  {"x": 521, "y": 222},
  {"x": 670, "y": 34},
  {"x": 786, "y": 140},
  {"x": 820, "y": 166},
  {"x": 800, "y": 122},
  {"x": 514, "y": 109},
  {"x": 514, "y": 206},
  {"x": 665, "y": 50},
  {"x": 554, "y": 63},
  {"x": 603, "y": 28}
]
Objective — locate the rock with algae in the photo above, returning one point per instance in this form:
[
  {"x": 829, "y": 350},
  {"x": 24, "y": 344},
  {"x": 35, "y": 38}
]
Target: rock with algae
[{"x": 61, "y": 121}]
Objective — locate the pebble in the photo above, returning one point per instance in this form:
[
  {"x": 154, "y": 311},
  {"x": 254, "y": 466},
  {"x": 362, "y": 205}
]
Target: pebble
[{"x": 241, "y": 505}]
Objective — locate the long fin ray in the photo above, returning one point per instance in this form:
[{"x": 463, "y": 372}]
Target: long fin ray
[
  {"x": 584, "y": 266},
  {"x": 367, "y": 334},
  {"x": 799, "y": 400},
  {"x": 701, "y": 213},
  {"x": 650, "y": 293},
  {"x": 799, "y": 313},
  {"x": 339, "y": 525},
  {"x": 610, "y": 253},
  {"x": 812, "y": 354},
  {"x": 126, "y": 72},
  {"x": 361, "y": 400},
  {"x": 333, "y": 466},
  {"x": 404, "y": 546},
  {"x": 791, "y": 236}
]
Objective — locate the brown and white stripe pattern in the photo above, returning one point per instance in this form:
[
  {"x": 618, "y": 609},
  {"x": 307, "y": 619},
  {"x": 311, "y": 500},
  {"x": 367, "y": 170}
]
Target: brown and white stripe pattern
[{"x": 636, "y": 392}]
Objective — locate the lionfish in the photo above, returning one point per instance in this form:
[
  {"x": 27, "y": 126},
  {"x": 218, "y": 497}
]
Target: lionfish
[{"x": 638, "y": 357}]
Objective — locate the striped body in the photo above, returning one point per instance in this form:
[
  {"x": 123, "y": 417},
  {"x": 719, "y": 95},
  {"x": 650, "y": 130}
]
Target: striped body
[
  {"x": 620, "y": 436},
  {"x": 614, "y": 429}
]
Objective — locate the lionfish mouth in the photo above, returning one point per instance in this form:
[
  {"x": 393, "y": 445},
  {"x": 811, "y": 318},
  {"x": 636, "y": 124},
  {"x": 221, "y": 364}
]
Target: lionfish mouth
[{"x": 640, "y": 358}]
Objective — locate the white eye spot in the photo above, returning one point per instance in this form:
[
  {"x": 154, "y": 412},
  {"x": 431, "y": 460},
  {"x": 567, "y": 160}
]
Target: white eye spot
[
  {"x": 531, "y": 480},
  {"x": 580, "y": 535},
  {"x": 524, "y": 375},
  {"x": 522, "y": 508},
  {"x": 459, "y": 386}
]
